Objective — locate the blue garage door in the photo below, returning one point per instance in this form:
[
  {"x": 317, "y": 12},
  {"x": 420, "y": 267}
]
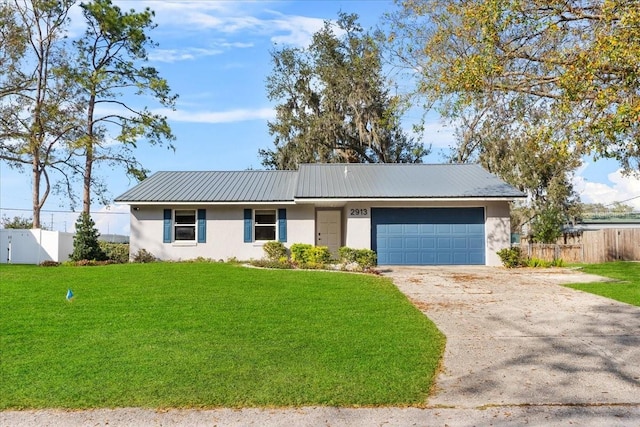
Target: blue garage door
[{"x": 428, "y": 236}]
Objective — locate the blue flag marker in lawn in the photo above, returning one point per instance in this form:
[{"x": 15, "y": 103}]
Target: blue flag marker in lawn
[{"x": 69, "y": 295}]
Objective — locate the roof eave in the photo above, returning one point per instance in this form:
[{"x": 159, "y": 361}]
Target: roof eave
[
  {"x": 311, "y": 200},
  {"x": 201, "y": 202}
]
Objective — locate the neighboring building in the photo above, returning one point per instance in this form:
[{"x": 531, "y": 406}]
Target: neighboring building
[
  {"x": 410, "y": 214},
  {"x": 594, "y": 221}
]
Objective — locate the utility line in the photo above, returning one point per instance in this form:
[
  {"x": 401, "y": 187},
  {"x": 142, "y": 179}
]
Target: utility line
[{"x": 65, "y": 212}]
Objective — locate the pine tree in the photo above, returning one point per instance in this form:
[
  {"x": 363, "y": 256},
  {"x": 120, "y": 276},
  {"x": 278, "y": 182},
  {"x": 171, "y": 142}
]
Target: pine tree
[{"x": 85, "y": 241}]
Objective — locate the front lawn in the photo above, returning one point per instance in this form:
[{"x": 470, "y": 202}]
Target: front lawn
[
  {"x": 209, "y": 335},
  {"x": 625, "y": 289}
]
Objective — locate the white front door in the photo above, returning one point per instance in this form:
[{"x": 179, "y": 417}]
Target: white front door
[{"x": 328, "y": 232}]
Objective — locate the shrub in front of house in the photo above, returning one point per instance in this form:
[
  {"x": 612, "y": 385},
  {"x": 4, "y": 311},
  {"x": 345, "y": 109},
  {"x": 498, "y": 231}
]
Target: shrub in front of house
[
  {"x": 116, "y": 252},
  {"x": 511, "y": 257},
  {"x": 143, "y": 256},
  {"x": 308, "y": 256},
  {"x": 318, "y": 255},
  {"x": 299, "y": 252},
  {"x": 275, "y": 250},
  {"x": 365, "y": 259}
]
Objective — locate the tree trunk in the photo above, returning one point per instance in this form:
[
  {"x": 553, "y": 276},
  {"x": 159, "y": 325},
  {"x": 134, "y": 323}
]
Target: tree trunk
[
  {"x": 88, "y": 164},
  {"x": 86, "y": 191},
  {"x": 35, "y": 167}
]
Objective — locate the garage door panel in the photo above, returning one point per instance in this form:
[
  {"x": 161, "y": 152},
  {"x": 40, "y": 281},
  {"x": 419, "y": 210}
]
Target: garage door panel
[
  {"x": 460, "y": 243},
  {"x": 443, "y": 229},
  {"x": 428, "y": 236},
  {"x": 476, "y": 243},
  {"x": 395, "y": 243},
  {"x": 459, "y": 229},
  {"x": 394, "y": 228},
  {"x": 444, "y": 243},
  {"x": 428, "y": 258},
  {"x": 427, "y": 229},
  {"x": 427, "y": 243},
  {"x": 444, "y": 258},
  {"x": 460, "y": 258},
  {"x": 411, "y": 229},
  {"x": 475, "y": 229},
  {"x": 412, "y": 243},
  {"x": 412, "y": 257}
]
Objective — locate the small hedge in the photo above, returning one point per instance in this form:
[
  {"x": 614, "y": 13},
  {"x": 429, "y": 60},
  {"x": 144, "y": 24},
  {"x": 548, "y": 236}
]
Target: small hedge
[
  {"x": 299, "y": 252},
  {"x": 275, "y": 250},
  {"x": 513, "y": 258},
  {"x": 364, "y": 258},
  {"x": 143, "y": 256},
  {"x": 116, "y": 252}
]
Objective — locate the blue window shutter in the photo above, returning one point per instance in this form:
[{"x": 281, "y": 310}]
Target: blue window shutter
[
  {"x": 282, "y": 225},
  {"x": 166, "y": 235},
  {"x": 202, "y": 225},
  {"x": 248, "y": 225}
]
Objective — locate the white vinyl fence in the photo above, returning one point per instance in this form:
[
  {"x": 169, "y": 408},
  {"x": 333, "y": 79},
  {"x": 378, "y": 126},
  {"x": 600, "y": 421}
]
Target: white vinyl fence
[{"x": 34, "y": 246}]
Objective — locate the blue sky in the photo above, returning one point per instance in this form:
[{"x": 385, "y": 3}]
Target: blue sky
[{"x": 215, "y": 55}]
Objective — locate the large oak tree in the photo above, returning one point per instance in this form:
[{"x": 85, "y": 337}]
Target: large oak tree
[
  {"x": 579, "y": 60},
  {"x": 334, "y": 104},
  {"x": 531, "y": 86}
]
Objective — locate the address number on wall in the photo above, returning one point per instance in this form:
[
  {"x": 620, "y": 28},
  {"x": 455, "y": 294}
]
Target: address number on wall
[{"x": 359, "y": 212}]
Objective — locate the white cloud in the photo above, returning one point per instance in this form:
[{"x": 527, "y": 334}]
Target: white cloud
[
  {"x": 174, "y": 55},
  {"x": 619, "y": 188},
  {"x": 298, "y": 30},
  {"x": 231, "y": 18},
  {"x": 112, "y": 219},
  {"x": 237, "y": 115}
]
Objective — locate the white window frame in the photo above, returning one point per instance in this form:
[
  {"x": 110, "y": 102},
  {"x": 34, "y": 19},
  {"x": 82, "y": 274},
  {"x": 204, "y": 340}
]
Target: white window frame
[
  {"x": 265, "y": 225},
  {"x": 194, "y": 225}
]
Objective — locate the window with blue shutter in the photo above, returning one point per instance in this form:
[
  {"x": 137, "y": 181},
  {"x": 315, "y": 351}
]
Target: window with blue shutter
[
  {"x": 282, "y": 225},
  {"x": 202, "y": 225},
  {"x": 248, "y": 225},
  {"x": 166, "y": 229}
]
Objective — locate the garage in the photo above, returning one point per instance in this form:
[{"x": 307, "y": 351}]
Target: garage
[{"x": 428, "y": 236}]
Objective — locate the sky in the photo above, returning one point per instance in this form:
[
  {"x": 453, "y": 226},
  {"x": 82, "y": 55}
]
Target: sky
[{"x": 216, "y": 56}]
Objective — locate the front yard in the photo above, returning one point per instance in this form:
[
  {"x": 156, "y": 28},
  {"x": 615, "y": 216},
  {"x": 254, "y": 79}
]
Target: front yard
[
  {"x": 209, "y": 335},
  {"x": 625, "y": 288}
]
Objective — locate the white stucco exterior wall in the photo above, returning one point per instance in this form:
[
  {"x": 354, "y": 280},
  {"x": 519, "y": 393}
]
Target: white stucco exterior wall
[
  {"x": 225, "y": 229},
  {"x": 225, "y": 232},
  {"x": 358, "y": 225},
  {"x": 497, "y": 231}
]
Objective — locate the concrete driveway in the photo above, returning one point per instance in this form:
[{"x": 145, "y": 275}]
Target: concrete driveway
[{"x": 515, "y": 337}]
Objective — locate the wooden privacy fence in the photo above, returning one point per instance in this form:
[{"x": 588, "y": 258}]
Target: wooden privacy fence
[{"x": 591, "y": 246}]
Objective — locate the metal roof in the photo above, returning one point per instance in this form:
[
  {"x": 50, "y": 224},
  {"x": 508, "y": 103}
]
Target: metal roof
[
  {"x": 399, "y": 180},
  {"x": 322, "y": 181},
  {"x": 214, "y": 186}
]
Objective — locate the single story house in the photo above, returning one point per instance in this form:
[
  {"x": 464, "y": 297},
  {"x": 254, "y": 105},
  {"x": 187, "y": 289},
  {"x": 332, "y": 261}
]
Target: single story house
[{"x": 411, "y": 214}]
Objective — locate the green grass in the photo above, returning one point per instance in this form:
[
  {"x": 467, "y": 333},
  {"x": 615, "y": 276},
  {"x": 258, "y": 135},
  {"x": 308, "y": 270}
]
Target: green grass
[
  {"x": 625, "y": 289},
  {"x": 209, "y": 335}
]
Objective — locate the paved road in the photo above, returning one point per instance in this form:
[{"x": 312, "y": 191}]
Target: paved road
[{"x": 520, "y": 350}]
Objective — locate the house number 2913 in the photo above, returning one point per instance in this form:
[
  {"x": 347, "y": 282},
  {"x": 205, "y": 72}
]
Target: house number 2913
[{"x": 359, "y": 212}]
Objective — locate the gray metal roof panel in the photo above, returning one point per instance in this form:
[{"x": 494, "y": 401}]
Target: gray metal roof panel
[
  {"x": 318, "y": 181},
  {"x": 399, "y": 180},
  {"x": 214, "y": 186}
]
